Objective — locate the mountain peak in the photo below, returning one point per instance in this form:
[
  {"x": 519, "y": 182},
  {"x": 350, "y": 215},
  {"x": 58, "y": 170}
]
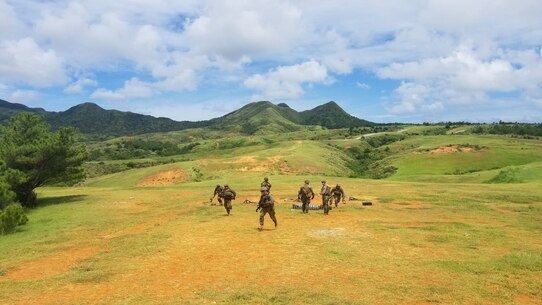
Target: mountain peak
[
  {"x": 86, "y": 107},
  {"x": 283, "y": 105}
]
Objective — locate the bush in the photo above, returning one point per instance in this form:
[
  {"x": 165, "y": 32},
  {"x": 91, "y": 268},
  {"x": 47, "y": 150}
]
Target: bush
[{"x": 12, "y": 217}]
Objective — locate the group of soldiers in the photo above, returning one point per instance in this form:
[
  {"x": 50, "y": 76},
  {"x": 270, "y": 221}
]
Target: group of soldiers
[
  {"x": 306, "y": 194},
  {"x": 266, "y": 204}
]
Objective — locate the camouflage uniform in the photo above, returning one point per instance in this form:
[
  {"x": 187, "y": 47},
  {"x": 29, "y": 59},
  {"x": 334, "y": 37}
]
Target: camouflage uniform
[
  {"x": 218, "y": 193},
  {"x": 305, "y": 194},
  {"x": 228, "y": 194},
  {"x": 338, "y": 193},
  {"x": 266, "y": 184},
  {"x": 267, "y": 205},
  {"x": 326, "y": 196}
]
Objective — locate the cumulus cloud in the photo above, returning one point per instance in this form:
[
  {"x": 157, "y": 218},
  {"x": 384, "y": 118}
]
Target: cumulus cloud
[
  {"x": 24, "y": 61},
  {"x": 236, "y": 29},
  {"x": 132, "y": 89},
  {"x": 462, "y": 78},
  {"x": 285, "y": 82},
  {"x": 24, "y": 96},
  {"x": 79, "y": 85},
  {"x": 441, "y": 53}
]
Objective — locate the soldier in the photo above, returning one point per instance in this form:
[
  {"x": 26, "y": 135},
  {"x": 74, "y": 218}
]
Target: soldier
[
  {"x": 266, "y": 184},
  {"x": 228, "y": 194},
  {"x": 218, "y": 194},
  {"x": 305, "y": 195},
  {"x": 338, "y": 192},
  {"x": 267, "y": 205},
  {"x": 326, "y": 196}
]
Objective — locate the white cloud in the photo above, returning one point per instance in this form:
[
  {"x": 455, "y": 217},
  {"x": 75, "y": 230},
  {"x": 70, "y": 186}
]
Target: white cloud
[
  {"x": 79, "y": 85},
  {"x": 363, "y": 86},
  {"x": 460, "y": 52},
  {"x": 285, "y": 82},
  {"x": 24, "y": 61},
  {"x": 133, "y": 89},
  {"x": 236, "y": 29},
  {"x": 462, "y": 78},
  {"x": 24, "y": 96},
  {"x": 10, "y": 25}
]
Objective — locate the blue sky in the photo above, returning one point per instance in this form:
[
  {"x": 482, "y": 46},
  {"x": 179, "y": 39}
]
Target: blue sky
[{"x": 385, "y": 61}]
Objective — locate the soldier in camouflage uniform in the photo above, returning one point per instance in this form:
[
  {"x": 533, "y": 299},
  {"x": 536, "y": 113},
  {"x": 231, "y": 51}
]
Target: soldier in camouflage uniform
[
  {"x": 305, "y": 195},
  {"x": 326, "y": 196},
  {"x": 338, "y": 193},
  {"x": 218, "y": 194},
  {"x": 266, "y": 205},
  {"x": 266, "y": 184},
  {"x": 228, "y": 194}
]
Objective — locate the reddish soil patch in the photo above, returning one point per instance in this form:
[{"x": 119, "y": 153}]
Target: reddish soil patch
[
  {"x": 170, "y": 177},
  {"x": 451, "y": 149},
  {"x": 525, "y": 299},
  {"x": 49, "y": 266}
]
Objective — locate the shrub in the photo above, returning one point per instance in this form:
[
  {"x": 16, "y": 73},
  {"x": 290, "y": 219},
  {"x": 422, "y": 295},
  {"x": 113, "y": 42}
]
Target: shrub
[{"x": 11, "y": 217}]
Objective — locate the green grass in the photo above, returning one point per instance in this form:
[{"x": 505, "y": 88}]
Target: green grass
[{"x": 429, "y": 237}]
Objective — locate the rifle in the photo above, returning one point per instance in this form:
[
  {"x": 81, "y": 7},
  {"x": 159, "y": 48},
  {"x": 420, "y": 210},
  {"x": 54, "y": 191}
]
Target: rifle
[{"x": 259, "y": 204}]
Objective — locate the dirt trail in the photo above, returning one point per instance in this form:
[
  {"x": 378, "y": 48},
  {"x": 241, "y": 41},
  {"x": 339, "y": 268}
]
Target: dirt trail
[{"x": 51, "y": 265}]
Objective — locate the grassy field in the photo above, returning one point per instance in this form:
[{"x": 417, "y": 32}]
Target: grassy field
[{"x": 150, "y": 236}]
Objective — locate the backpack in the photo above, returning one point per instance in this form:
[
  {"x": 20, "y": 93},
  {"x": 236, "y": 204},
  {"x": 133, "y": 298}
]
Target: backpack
[
  {"x": 227, "y": 193},
  {"x": 306, "y": 190}
]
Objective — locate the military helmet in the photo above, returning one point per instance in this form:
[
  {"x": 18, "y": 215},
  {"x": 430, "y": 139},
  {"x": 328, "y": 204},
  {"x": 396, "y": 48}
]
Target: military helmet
[
  {"x": 306, "y": 181},
  {"x": 338, "y": 185},
  {"x": 265, "y": 178},
  {"x": 323, "y": 181},
  {"x": 218, "y": 185},
  {"x": 225, "y": 185}
]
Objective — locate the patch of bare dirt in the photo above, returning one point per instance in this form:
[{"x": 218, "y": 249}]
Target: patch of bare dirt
[
  {"x": 51, "y": 265},
  {"x": 525, "y": 299},
  {"x": 170, "y": 177},
  {"x": 451, "y": 149}
]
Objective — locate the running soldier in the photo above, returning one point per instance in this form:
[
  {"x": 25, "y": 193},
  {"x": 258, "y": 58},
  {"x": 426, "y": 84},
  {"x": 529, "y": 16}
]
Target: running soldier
[
  {"x": 338, "y": 193},
  {"x": 266, "y": 205},
  {"x": 305, "y": 195},
  {"x": 266, "y": 184},
  {"x": 228, "y": 194},
  {"x": 326, "y": 197},
  {"x": 218, "y": 194}
]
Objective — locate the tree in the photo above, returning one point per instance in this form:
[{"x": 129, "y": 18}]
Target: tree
[
  {"x": 7, "y": 196},
  {"x": 37, "y": 156}
]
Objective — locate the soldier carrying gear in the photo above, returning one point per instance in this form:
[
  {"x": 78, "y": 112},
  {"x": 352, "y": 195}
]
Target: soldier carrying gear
[
  {"x": 326, "y": 196},
  {"x": 228, "y": 194},
  {"x": 305, "y": 195},
  {"x": 338, "y": 192},
  {"x": 267, "y": 205},
  {"x": 218, "y": 194},
  {"x": 266, "y": 184}
]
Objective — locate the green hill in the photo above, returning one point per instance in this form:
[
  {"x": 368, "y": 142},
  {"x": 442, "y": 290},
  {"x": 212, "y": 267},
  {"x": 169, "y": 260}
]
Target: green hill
[
  {"x": 265, "y": 116},
  {"x": 257, "y": 117},
  {"x": 331, "y": 115},
  {"x": 8, "y": 110},
  {"x": 90, "y": 118}
]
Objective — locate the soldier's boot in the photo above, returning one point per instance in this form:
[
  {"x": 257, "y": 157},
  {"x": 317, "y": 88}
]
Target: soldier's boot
[
  {"x": 260, "y": 228},
  {"x": 276, "y": 223}
]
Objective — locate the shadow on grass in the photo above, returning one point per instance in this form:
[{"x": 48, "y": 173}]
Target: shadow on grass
[{"x": 43, "y": 202}]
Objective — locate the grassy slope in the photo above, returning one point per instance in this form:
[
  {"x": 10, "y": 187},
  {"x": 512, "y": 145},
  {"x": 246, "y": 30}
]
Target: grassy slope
[
  {"x": 414, "y": 163},
  {"x": 289, "y": 157}
]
